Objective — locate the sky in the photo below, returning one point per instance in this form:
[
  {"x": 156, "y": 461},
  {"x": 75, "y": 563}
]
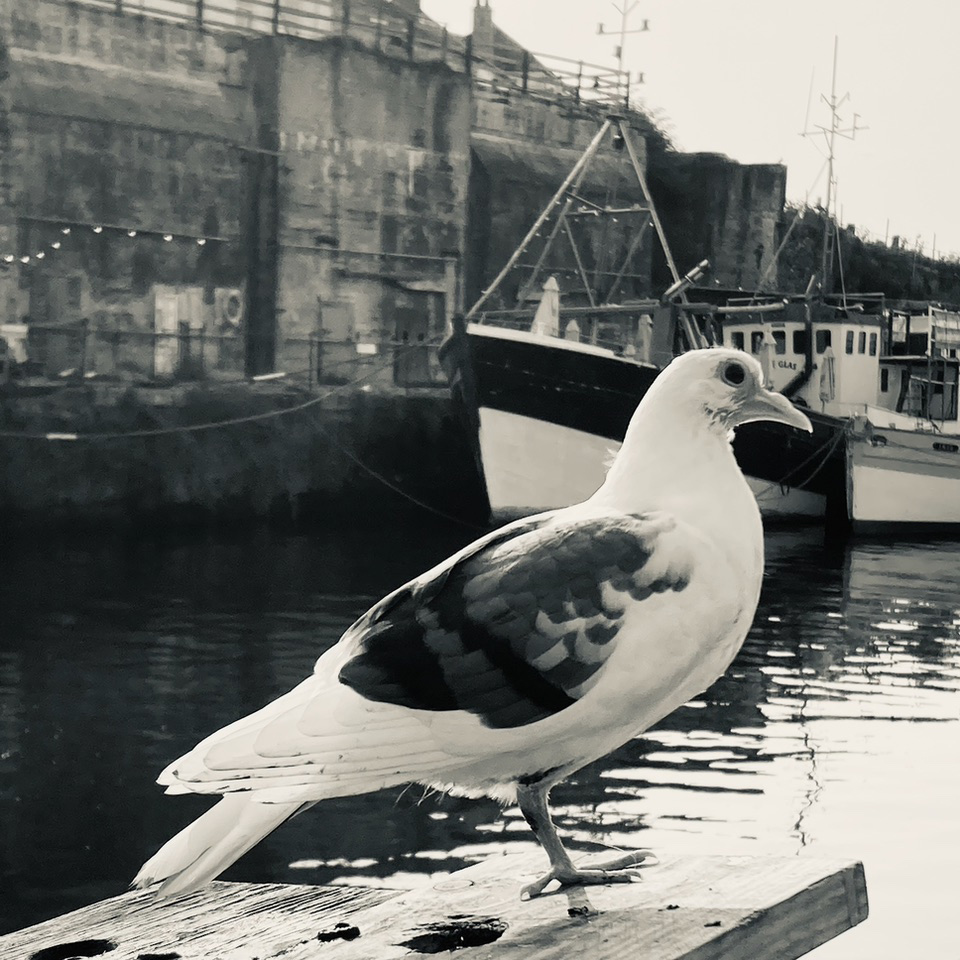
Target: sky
[{"x": 747, "y": 77}]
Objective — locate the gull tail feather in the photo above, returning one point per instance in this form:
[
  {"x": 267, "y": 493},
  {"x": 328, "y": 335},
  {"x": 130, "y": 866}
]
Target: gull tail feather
[{"x": 206, "y": 847}]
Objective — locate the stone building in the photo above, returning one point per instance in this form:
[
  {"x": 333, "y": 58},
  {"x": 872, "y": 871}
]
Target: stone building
[{"x": 238, "y": 188}]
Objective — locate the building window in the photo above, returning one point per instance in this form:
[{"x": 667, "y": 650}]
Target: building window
[
  {"x": 849, "y": 341},
  {"x": 862, "y": 342},
  {"x": 756, "y": 341},
  {"x": 823, "y": 340},
  {"x": 873, "y": 344},
  {"x": 780, "y": 339},
  {"x": 884, "y": 378},
  {"x": 799, "y": 341},
  {"x": 737, "y": 339}
]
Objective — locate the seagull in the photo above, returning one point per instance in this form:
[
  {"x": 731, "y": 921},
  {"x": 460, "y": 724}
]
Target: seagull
[{"x": 533, "y": 651}]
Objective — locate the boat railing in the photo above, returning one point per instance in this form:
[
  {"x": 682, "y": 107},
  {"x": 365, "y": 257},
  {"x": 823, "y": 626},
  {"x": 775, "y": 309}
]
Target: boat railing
[{"x": 617, "y": 328}]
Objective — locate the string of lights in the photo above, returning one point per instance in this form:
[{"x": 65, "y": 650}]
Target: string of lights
[{"x": 72, "y": 228}]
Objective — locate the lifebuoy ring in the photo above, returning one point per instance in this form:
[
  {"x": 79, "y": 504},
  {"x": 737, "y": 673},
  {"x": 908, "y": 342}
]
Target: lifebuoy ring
[{"x": 233, "y": 308}]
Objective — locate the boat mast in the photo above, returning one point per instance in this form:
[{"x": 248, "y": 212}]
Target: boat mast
[
  {"x": 562, "y": 201},
  {"x": 577, "y": 171},
  {"x": 830, "y": 135},
  {"x": 624, "y": 12}
]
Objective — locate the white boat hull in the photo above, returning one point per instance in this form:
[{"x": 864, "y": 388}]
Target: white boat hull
[
  {"x": 531, "y": 465},
  {"x": 903, "y": 477}
]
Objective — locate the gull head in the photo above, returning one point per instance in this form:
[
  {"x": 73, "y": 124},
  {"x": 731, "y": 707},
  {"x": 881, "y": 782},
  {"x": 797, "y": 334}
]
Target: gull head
[{"x": 725, "y": 387}]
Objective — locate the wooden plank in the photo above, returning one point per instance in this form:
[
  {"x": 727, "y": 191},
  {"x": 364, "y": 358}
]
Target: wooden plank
[
  {"x": 242, "y": 920},
  {"x": 695, "y": 908}
]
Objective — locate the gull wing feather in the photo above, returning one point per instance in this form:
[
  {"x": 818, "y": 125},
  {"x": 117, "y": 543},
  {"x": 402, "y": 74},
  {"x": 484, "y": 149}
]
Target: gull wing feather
[{"x": 513, "y": 630}]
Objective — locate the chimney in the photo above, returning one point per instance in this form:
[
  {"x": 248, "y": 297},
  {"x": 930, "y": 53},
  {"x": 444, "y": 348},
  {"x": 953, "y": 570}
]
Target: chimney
[{"x": 483, "y": 30}]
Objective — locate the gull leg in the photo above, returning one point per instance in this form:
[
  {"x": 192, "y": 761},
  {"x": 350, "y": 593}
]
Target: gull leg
[{"x": 532, "y": 800}]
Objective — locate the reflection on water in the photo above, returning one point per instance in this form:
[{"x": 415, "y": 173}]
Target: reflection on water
[{"x": 836, "y": 732}]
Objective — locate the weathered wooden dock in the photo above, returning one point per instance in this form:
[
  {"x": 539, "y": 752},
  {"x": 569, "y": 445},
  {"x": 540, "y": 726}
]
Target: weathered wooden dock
[{"x": 695, "y": 908}]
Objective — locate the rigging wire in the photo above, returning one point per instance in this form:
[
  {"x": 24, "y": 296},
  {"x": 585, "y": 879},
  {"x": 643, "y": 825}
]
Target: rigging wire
[
  {"x": 843, "y": 288},
  {"x": 212, "y": 424},
  {"x": 826, "y": 449}
]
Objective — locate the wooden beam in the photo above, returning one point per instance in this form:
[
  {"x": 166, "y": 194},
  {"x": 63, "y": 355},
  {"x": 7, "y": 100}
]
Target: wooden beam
[{"x": 695, "y": 908}]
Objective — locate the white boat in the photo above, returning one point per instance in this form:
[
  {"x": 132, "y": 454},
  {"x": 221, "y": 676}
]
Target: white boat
[
  {"x": 899, "y": 409},
  {"x": 898, "y": 477},
  {"x": 903, "y": 453}
]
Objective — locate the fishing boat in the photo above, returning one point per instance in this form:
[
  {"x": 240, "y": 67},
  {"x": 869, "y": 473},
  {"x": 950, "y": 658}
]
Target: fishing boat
[
  {"x": 547, "y": 385},
  {"x": 903, "y": 449},
  {"x": 886, "y": 384}
]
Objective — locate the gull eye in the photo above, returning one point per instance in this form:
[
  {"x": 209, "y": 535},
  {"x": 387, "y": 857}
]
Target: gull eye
[{"x": 733, "y": 373}]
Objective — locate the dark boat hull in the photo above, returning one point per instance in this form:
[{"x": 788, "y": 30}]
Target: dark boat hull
[{"x": 546, "y": 415}]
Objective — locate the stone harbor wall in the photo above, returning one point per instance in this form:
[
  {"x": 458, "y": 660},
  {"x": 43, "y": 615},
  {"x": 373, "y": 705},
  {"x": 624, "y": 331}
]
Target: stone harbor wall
[{"x": 360, "y": 453}]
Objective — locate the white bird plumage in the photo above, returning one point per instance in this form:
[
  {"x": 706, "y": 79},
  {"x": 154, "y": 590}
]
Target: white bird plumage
[{"x": 531, "y": 652}]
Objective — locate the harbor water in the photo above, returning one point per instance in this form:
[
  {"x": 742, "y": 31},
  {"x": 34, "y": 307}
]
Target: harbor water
[{"x": 836, "y": 733}]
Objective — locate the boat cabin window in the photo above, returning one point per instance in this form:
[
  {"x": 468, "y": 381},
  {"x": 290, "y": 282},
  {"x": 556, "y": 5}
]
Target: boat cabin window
[
  {"x": 737, "y": 339},
  {"x": 862, "y": 342},
  {"x": 799, "y": 341},
  {"x": 884, "y": 379},
  {"x": 849, "y": 347},
  {"x": 780, "y": 339},
  {"x": 823, "y": 340},
  {"x": 756, "y": 341},
  {"x": 873, "y": 344}
]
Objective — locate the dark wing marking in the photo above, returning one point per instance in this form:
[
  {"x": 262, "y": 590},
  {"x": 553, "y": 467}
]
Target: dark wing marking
[{"x": 517, "y": 629}]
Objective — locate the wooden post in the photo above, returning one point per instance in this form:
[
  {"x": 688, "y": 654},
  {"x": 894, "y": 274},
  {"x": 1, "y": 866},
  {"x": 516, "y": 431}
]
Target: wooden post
[
  {"x": 525, "y": 71},
  {"x": 444, "y": 43},
  {"x": 579, "y": 80},
  {"x": 199, "y": 13},
  {"x": 345, "y": 18},
  {"x": 118, "y": 6},
  {"x": 468, "y": 55},
  {"x": 411, "y": 38},
  {"x": 694, "y": 908},
  {"x": 85, "y": 327},
  {"x": 276, "y": 17}
]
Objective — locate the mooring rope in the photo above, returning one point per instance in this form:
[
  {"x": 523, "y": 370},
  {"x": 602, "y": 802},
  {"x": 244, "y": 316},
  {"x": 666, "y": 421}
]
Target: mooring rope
[
  {"x": 826, "y": 449},
  {"x": 382, "y": 364}
]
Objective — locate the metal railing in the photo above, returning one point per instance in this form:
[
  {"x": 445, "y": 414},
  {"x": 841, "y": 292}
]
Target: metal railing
[
  {"x": 614, "y": 328},
  {"x": 78, "y": 352},
  {"x": 498, "y": 73}
]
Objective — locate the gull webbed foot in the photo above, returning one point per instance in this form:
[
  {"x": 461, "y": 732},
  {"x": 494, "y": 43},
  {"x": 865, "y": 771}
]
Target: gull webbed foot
[
  {"x": 613, "y": 871},
  {"x": 532, "y": 799}
]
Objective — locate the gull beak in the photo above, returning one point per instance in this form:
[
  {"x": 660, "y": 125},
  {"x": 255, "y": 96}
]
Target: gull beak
[{"x": 767, "y": 405}]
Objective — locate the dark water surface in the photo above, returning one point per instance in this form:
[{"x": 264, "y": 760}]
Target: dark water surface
[{"x": 836, "y": 733}]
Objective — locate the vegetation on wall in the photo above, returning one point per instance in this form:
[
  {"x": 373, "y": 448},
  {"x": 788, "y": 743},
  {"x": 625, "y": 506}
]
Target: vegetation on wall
[{"x": 861, "y": 264}]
